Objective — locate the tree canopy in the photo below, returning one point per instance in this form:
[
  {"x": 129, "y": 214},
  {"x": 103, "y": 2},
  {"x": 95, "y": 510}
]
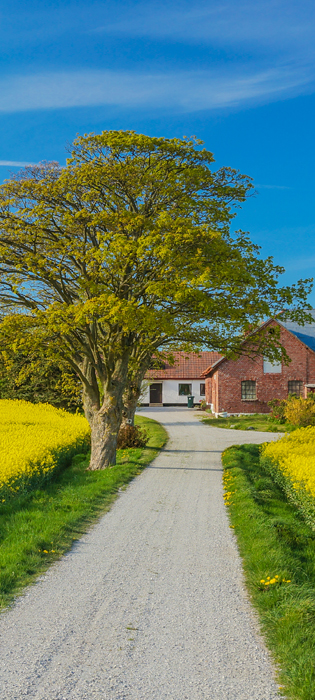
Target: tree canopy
[{"x": 125, "y": 250}]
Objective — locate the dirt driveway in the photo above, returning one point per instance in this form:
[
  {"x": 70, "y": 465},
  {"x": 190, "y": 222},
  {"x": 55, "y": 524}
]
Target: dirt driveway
[{"x": 149, "y": 605}]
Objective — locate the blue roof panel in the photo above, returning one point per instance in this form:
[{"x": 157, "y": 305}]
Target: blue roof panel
[{"x": 304, "y": 333}]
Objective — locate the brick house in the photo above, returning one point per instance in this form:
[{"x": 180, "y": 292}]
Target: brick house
[
  {"x": 246, "y": 385},
  {"x": 171, "y": 384}
]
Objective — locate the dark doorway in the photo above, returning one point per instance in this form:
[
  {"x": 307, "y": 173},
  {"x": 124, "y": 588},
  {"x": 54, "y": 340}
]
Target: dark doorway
[{"x": 156, "y": 393}]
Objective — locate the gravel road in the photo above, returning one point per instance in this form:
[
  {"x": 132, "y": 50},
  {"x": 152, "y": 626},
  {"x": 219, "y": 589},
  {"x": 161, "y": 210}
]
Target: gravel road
[{"x": 150, "y": 604}]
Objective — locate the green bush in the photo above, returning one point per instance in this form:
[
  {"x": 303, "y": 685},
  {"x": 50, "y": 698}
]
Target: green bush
[{"x": 277, "y": 410}]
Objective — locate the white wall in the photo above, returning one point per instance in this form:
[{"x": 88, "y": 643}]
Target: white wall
[{"x": 170, "y": 391}]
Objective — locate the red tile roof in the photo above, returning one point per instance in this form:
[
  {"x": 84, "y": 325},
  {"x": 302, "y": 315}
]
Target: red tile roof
[{"x": 187, "y": 366}]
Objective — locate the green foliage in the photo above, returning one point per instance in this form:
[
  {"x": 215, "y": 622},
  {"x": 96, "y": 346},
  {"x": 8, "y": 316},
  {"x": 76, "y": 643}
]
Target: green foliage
[
  {"x": 131, "y": 237},
  {"x": 257, "y": 421},
  {"x": 277, "y": 410},
  {"x": 38, "y": 527},
  {"x": 34, "y": 378},
  {"x": 273, "y": 539}
]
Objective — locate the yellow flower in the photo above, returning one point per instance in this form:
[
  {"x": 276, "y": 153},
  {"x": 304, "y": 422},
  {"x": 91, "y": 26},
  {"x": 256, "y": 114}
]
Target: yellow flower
[
  {"x": 294, "y": 456},
  {"x": 32, "y": 438}
]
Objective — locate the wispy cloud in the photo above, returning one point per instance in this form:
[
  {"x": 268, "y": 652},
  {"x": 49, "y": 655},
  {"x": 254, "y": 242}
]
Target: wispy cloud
[
  {"x": 272, "y": 187},
  {"x": 302, "y": 264},
  {"x": 14, "y": 163},
  {"x": 180, "y": 91},
  {"x": 279, "y": 22},
  {"x": 251, "y": 52}
]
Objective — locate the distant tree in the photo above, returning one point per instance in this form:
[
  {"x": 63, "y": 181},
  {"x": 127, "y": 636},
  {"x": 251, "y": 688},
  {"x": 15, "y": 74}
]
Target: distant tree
[
  {"x": 125, "y": 250},
  {"x": 32, "y": 377}
]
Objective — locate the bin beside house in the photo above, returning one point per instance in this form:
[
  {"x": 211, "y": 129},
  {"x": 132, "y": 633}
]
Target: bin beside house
[
  {"x": 171, "y": 385},
  {"x": 246, "y": 385}
]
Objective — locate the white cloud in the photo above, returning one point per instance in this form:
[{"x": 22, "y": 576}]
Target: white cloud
[
  {"x": 279, "y": 22},
  {"x": 181, "y": 91},
  {"x": 14, "y": 163},
  {"x": 272, "y": 187}
]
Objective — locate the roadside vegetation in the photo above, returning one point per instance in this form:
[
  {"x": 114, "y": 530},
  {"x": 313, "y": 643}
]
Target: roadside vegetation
[
  {"x": 278, "y": 550},
  {"x": 258, "y": 421},
  {"x": 40, "y": 524},
  {"x": 285, "y": 415}
]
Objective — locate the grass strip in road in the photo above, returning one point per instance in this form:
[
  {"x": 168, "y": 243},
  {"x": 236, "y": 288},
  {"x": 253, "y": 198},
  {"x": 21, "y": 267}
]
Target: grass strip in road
[
  {"x": 38, "y": 527},
  {"x": 261, "y": 422},
  {"x": 278, "y": 551}
]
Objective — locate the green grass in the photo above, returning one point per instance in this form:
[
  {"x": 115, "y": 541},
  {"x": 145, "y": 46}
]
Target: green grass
[
  {"x": 257, "y": 421},
  {"x": 273, "y": 539},
  {"x": 36, "y": 528}
]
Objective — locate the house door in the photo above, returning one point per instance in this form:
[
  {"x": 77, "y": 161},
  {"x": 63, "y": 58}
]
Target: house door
[{"x": 156, "y": 393}]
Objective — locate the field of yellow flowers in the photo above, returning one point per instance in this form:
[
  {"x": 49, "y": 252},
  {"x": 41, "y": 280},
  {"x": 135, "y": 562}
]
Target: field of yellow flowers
[
  {"x": 35, "y": 440},
  {"x": 291, "y": 461}
]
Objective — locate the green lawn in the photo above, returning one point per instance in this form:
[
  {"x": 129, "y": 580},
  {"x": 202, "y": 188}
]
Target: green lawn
[
  {"x": 36, "y": 528},
  {"x": 274, "y": 541},
  {"x": 257, "y": 421}
]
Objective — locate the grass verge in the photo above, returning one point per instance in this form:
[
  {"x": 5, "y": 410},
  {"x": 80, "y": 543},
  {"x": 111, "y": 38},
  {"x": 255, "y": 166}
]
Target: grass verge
[
  {"x": 274, "y": 541},
  {"x": 37, "y": 527},
  {"x": 256, "y": 422}
]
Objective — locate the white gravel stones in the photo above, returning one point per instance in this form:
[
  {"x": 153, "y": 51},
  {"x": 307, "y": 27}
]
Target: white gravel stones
[{"x": 150, "y": 604}]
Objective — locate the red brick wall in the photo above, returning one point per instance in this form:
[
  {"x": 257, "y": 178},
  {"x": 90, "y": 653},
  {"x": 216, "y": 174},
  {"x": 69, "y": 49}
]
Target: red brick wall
[{"x": 224, "y": 387}]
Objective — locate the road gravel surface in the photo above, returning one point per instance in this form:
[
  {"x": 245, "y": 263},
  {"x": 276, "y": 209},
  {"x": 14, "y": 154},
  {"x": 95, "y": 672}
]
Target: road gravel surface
[{"x": 150, "y": 604}]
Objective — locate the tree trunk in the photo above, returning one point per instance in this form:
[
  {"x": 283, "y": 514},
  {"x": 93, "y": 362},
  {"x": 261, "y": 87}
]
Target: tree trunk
[
  {"x": 132, "y": 393},
  {"x": 105, "y": 420},
  {"x": 130, "y": 399},
  {"x": 104, "y": 432}
]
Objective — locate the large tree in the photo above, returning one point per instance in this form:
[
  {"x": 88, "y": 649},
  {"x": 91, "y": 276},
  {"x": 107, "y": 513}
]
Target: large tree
[{"x": 125, "y": 249}]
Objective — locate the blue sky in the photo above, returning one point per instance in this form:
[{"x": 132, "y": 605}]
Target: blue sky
[{"x": 239, "y": 75}]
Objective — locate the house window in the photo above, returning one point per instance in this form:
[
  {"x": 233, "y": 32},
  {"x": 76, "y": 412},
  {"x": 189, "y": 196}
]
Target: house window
[
  {"x": 184, "y": 389},
  {"x": 202, "y": 389},
  {"x": 272, "y": 367},
  {"x": 295, "y": 387},
  {"x": 248, "y": 391}
]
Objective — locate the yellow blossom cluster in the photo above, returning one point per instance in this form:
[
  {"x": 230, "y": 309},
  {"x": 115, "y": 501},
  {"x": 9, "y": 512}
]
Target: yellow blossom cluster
[
  {"x": 294, "y": 455},
  {"x": 35, "y": 439},
  {"x": 276, "y": 579},
  {"x": 227, "y": 483}
]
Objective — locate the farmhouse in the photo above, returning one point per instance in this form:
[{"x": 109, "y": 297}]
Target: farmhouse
[
  {"x": 246, "y": 385},
  {"x": 170, "y": 385}
]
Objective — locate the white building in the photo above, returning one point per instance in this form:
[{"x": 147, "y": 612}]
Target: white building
[{"x": 171, "y": 385}]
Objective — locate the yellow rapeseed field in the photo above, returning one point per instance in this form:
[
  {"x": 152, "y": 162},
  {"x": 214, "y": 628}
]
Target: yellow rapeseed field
[
  {"x": 35, "y": 439},
  {"x": 294, "y": 456}
]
